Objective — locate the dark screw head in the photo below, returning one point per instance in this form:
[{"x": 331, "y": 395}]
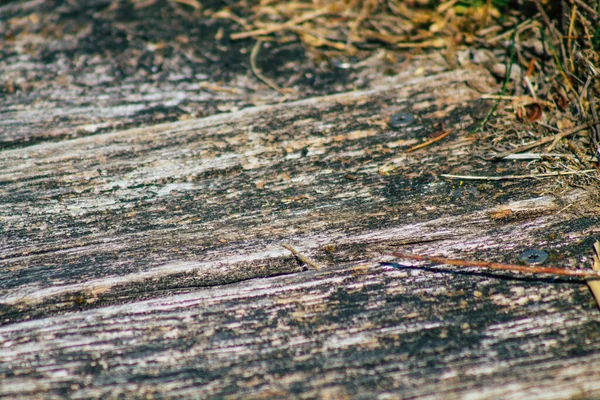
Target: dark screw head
[
  {"x": 533, "y": 256},
  {"x": 401, "y": 120}
]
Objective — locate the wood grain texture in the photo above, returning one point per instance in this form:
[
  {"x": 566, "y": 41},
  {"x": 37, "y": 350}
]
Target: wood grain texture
[
  {"x": 163, "y": 203},
  {"x": 354, "y": 331},
  {"x": 163, "y": 206},
  {"x": 148, "y": 262},
  {"x": 104, "y": 222},
  {"x": 78, "y": 68}
]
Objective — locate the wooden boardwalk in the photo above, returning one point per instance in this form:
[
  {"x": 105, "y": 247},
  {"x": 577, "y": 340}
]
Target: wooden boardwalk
[{"x": 148, "y": 261}]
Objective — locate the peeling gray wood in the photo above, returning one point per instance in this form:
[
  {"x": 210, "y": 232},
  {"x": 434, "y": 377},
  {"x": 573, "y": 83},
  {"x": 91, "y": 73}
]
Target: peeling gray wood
[
  {"x": 148, "y": 262},
  {"x": 136, "y": 226},
  {"x": 78, "y": 68},
  {"x": 163, "y": 206},
  {"x": 348, "y": 331}
]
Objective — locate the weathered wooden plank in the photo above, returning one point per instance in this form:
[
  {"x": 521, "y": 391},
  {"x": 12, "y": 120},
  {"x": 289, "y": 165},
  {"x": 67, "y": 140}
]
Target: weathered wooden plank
[
  {"x": 78, "y": 68},
  {"x": 359, "y": 331},
  {"x": 157, "y": 211},
  {"x": 74, "y": 69},
  {"x": 161, "y": 207},
  {"x": 145, "y": 262}
]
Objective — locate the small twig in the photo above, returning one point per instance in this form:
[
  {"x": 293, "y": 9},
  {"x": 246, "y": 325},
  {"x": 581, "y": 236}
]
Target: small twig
[
  {"x": 586, "y": 7},
  {"x": 289, "y": 24},
  {"x": 192, "y": 3},
  {"x": 503, "y": 267},
  {"x": 570, "y": 33},
  {"x": 530, "y": 87},
  {"x": 227, "y": 14},
  {"x": 319, "y": 38},
  {"x": 546, "y": 19},
  {"x": 519, "y": 28},
  {"x": 596, "y": 127},
  {"x": 217, "y": 88},
  {"x": 508, "y": 177},
  {"x": 420, "y": 45},
  {"x": 431, "y": 141},
  {"x": 257, "y": 72},
  {"x": 540, "y": 142},
  {"x": 583, "y": 93},
  {"x": 497, "y": 97},
  {"x": 594, "y": 283},
  {"x": 364, "y": 13},
  {"x": 306, "y": 260},
  {"x": 584, "y": 24},
  {"x": 536, "y": 156},
  {"x": 558, "y": 137}
]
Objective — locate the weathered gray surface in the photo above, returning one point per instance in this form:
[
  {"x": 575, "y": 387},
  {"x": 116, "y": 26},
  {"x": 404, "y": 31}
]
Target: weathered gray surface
[
  {"x": 75, "y": 68},
  {"x": 148, "y": 262},
  {"x": 164, "y": 205},
  {"x": 104, "y": 222},
  {"x": 343, "y": 332}
]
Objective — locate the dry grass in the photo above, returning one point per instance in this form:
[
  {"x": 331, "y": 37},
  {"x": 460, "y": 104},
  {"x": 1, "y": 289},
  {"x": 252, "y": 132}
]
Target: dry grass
[{"x": 544, "y": 52}]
